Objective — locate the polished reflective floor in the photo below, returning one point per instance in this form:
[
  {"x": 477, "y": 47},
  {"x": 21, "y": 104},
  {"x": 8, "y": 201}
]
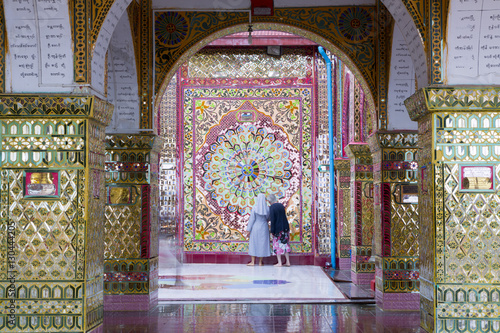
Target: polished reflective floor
[
  {"x": 247, "y": 284},
  {"x": 237, "y": 298},
  {"x": 181, "y": 282},
  {"x": 265, "y": 318}
]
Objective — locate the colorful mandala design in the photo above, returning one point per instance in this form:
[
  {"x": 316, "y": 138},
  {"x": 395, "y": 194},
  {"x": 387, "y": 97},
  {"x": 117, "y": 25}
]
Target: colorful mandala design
[
  {"x": 244, "y": 162},
  {"x": 170, "y": 28},
  {"x": 355, "y": 24}
]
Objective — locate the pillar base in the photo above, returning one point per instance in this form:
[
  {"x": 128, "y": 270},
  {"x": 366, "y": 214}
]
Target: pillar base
[
  {"x": 98, "y": 329},
  {"x": 362, "y": 278},
  {"x": 131, "y": 302},
  {"x": 397, "y": 301},
  {"x": 116, "y": 321},
  {"x": 344, "y": 263},
  {"x": 400, "y": 321}
]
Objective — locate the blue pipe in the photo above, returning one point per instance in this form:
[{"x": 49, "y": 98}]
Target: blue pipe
[
  {"x": 333, "y": 234},
  {"x": 340, "y": 107}
]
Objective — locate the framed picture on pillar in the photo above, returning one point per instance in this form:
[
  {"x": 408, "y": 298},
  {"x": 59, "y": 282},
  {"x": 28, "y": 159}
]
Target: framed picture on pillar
[
  {"x": 368, "y": 190},
  {"x": 477, "y": 178},
  {"x": 424, "y": 179},
  {"x": 406, "y": 193},
  {"x": 120, "y": 195},
  {"x": 41, "y": 184}
]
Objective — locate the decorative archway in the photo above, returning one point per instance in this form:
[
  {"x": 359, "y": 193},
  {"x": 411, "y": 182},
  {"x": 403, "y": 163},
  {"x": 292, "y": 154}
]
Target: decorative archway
[
  {"x": 411, "y": 21},
  {"x": 204, "y": 226},
  {"x": 358, "y": 53}
]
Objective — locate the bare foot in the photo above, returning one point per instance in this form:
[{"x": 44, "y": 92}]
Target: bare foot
[
  {"x": 278, "y": 265},
  {"x": 287, "y": 265},
  {"x": 250, "y": 264},
  {"x": 261, "y": 264}
]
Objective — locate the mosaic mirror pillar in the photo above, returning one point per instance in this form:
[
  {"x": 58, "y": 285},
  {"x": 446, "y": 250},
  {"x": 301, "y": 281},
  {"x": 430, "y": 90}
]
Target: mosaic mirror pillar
[
  {"x": 238, "y": 142},
  {"x": 362, "y": 271},
  {"x": 396, "y": 220},
  {"x": 459, "y": 207},
  {"x": 52, "y": 211},
  {"x": 343, "y": 171},
  {"x": 131, "y": 230}
]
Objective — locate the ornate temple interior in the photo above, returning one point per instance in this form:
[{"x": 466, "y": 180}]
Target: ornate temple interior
[{"x": 136, "y": 136}]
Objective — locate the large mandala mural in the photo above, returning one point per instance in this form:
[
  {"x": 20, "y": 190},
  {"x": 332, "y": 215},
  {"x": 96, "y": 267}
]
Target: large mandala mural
[
  {"x": 239, "y": 142},
  {"x": 244, "y": 160}
]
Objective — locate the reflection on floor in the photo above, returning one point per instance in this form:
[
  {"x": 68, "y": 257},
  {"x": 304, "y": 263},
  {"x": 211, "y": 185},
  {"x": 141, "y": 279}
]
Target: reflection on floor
[
  {"x": 247, "y": 284},
  {"x": 342, "y": 279},
  {"x": 180, "y": 282},
  {"x": 237, "y": 298},
  {"x": 265, "y": 318}
]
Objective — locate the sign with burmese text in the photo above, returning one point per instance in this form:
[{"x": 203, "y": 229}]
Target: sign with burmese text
[
  {"x": 40, "y": 53},
  {"x": 401, "y": 84},
  {"x": 474, "y": 42},
  {"x": 477, "y": 178}
]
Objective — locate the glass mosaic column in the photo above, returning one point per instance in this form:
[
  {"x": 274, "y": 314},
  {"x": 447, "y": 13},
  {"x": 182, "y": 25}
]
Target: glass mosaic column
[
  {"x": 343, "y": 171},
  {"x": 396, "y": 219},
  {"x": 459, "y": 207},
  {"x": 362, "y": 271},
  {"x": 132, "y": 229},
  {"x": 52, "y": 213},
  {"x": 323, "y": 225}
]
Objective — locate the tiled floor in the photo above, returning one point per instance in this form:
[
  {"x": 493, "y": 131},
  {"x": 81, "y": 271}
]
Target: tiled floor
[
  {"x": 247, "y": 284},
  {"x": 236, "y": 298},
  {"x": 265, "y": 318}
]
